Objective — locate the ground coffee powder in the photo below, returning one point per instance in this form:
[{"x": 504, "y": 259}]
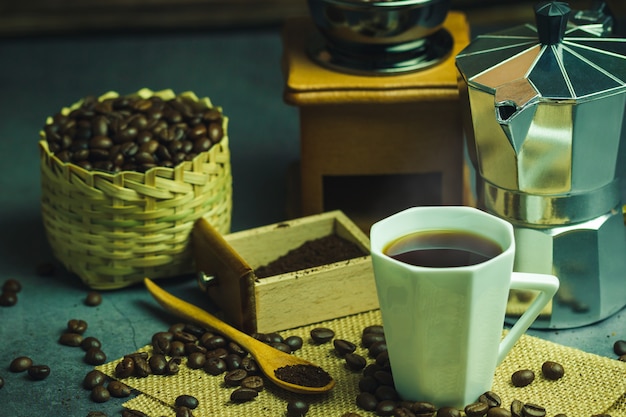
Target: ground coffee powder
[
  {"x": 304, "y": 375},
  {"x": 315, "y": 252}
]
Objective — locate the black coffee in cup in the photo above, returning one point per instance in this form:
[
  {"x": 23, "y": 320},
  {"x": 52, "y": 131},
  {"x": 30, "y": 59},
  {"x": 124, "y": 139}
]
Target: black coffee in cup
[{"x": 443, "y": 248}]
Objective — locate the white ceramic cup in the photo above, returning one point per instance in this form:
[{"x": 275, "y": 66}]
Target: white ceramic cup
[{"x": 443, "y": 326}]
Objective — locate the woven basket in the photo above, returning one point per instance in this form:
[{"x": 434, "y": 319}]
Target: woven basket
[{"x": 113, "y": 230}]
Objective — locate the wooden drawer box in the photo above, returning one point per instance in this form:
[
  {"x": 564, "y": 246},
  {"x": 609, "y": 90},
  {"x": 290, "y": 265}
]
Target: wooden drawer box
[{"x": 291, "y": 299}]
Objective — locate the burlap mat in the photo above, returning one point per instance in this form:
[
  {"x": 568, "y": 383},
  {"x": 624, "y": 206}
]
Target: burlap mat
[{"x": 592, "y": 384}]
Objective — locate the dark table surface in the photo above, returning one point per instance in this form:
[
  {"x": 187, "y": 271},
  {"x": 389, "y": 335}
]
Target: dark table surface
[{"x": 240, "y": 71}]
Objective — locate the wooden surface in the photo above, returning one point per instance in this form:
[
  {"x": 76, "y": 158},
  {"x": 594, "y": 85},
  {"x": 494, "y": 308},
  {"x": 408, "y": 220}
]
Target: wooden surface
[{"x": 37, "y": 17}]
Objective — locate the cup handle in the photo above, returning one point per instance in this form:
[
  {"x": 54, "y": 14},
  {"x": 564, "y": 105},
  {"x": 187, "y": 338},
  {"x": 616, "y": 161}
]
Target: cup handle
[{"x": 547, "y": 285}]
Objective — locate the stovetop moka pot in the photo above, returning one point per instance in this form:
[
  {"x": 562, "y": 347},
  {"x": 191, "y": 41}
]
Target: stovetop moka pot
[{"x": 545, "y": 108}]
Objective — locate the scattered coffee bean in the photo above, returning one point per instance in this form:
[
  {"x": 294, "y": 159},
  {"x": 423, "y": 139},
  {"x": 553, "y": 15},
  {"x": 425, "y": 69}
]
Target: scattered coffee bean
[
  {"x": 322, "y": 335},
  {"x": 283, "y": 347},
  {"x": 522, "y": 378},
  {"x": 402, "y": 411},
  {"x": 118, "y": 389},
  {"x": 498, "y": 412},
  {"x": 377, "y": 348},
  {"x": 100, "y": 394},
  {"x": 385, "y": 407},
  {"x": 355, "y": 362},
  {"x": 386, "y": 392},
  {"x": 533, "y": 410},
  {"x": 93, "y": 379},
  {"x": 249, "y": 365},
  {"x": 95, "y": 356},
  {"x": 188, "y": 401},
  {"x": 294, "y": 342},
  {"x": 368, "y": 339},
  {"x": 476, "y": 409},
  {"x": 552, "y": 370},
  {"x": 243, "y": 395},
  {"x": 125, "y": 368},
  {"x": 517, "y": 408},
  {"x": 8, "y": 299},
  {"x": 93, "y": 299},
  {"x": 38, "y": 372},
  {"x": 90, "y": 342},
  {"x": 343, "y": 347},
  {"x": 196, "y": 360},
  {"x": 173, "y": 366},
  {"x": 448, "y": 412},
  {"x": 297, "y": 408},
  {"x": 215, "y": 366},
  {"x": 71, "y": 339},
  {"x": 253, "y": 382},
  {"x": 233, "y": 378},
  {"x": 20, "y": 364},
  {"x": 619, "y": 347},
  {"x": 491, "y": 399},
  {"x": 12, "y": 285},
  {"x": 366, "y": 401},
  {"x": 77, "y": 326}
]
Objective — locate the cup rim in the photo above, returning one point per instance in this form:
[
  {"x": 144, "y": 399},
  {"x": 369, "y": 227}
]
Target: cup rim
[{"x": 508, "y": 246}]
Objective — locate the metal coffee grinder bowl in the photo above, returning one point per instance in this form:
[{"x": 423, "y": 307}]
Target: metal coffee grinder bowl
[{"x": 545, "y": 107}]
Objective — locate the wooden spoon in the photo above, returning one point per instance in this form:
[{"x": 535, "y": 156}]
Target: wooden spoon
[{"x": 268, "y": 358}]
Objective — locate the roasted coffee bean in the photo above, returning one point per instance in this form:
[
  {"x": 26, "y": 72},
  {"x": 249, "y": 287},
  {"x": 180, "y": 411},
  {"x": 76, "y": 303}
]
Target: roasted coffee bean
[
  {"x": 517, "y": 408},
  {"x": 552, "y": 370},
  {"x": 183, "y": 412},
  {"x": 236, "y": 349},
  {"x": 100, "y": 394},
  {"x": 249, "y": 365},
  {"x": 383, "y": 378},
  {"x": 498, "y": 412},
  {"x": 173, "y": 366},
  {"x": 243, "y": 395},
  {"x": 71, "y": 339},
  {"x": 233, "y": 378},
  {"x": 194, "y": 348},
  {"x": 533, "y": 410},
  {"x": 196, "y": 360},
  {"x": 355, "y": 362},
  {"x": 233, "y": 361},
  {"x": 76, "y": 326},
  {"x": 368, "y": 339},
  {"x": 95, "y": 356},
  {"x": 90, "y": 342},
  {"x": 142, "y": 367},
  {"x": 185, "y": 337},
  {"x": 38, "y": 372},
  {"x": 20, "y": 364},
  {"x": 12, "y": 285},
  {"x": 8, "y": 299},
  {"x": 366, "y": 401},
  {"x": 522, "y": 377},
  {"x": 93, "y": 379},
  {"x": 371, "y": 369},
  {"x": 622, "y": 358},
  {"x": 158, "y": 364},
  {"x": 448, "y": 412},
  {"x": 125, "y": 368},
  {"x": 476, "y": 409},
  {"x": 297, "y": 408},
  {"x": 161, "y": 342},
  {"x": 491, "y": 399},
  {"x": 322, "y": 335},
  {"x": 343, "y": 347},
  {"x": 118, "y": 389},
  {"x": 377, "y": 348},
  {"x": 294, "y": 342},
  {"x": 619, "y": 347},
  {"x": 386, "y": 392},
  {"x": 382, "y": 360},
  {"x": 254, "y": 382},
  {"x": 177, "y": 348},
  {"x": 214, "y": 342},
  {"x": 188, "y": 401},
  {"x": 219, "y": 353},
  {"x": 93, "y": 299},
  {"x": 423, "y": 409},
  {"x": 215, "y": 366},
  {"x": 385, "y": 408},
  {"x": 368, "y": 384}
]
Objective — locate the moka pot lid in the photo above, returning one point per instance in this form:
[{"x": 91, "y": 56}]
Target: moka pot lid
[{"x": 552, "y": 60}]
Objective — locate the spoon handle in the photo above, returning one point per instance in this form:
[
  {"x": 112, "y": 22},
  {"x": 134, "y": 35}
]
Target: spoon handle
[{"x": 193, "y": 313}]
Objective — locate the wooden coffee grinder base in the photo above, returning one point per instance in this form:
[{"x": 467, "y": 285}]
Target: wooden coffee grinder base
[{"x": 372, "y": 145}]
